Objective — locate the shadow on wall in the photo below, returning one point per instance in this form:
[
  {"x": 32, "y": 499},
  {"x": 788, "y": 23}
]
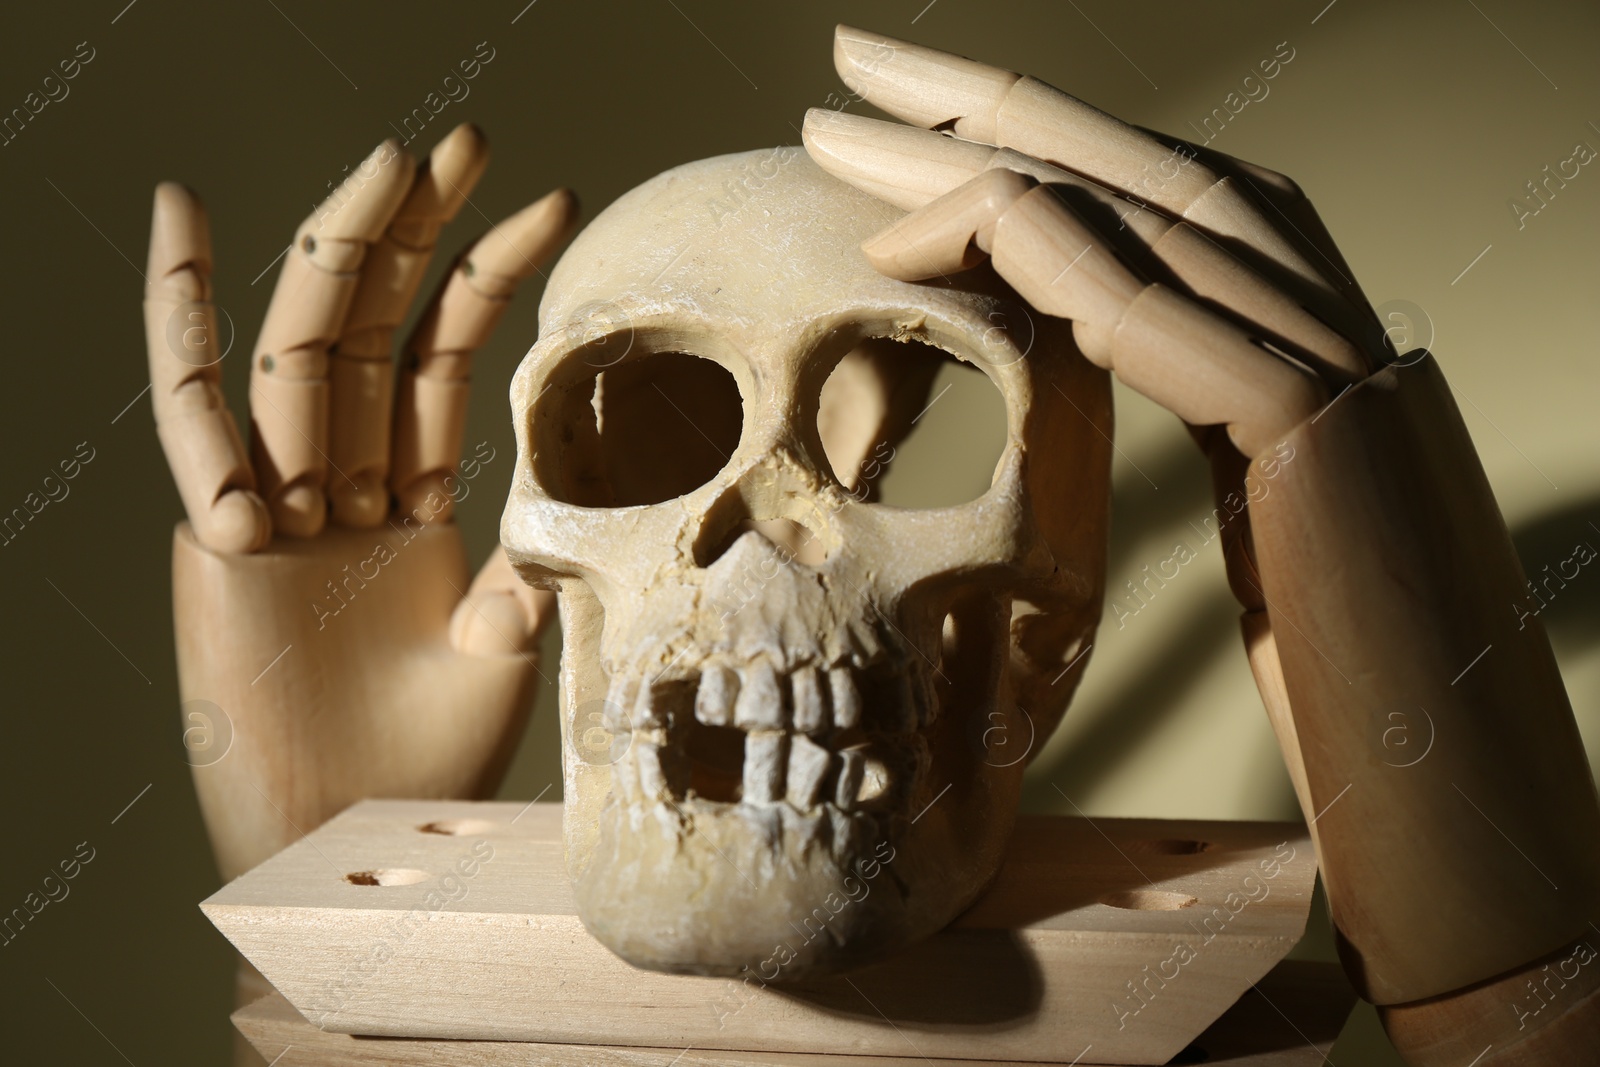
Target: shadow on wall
[
  {"x": 1560, "y": 553},
  {"x": 1559, "y": 550},
  {"x": 1133, "y": 711}
]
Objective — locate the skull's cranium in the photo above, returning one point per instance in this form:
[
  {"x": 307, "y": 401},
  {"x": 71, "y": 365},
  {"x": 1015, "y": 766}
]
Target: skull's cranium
[{"x": 793, "y": 718}]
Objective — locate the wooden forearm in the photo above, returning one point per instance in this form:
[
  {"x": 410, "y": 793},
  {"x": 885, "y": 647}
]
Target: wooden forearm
[
  {"x": 1393, "y": 593},
  {"x": 1546, "y": 1012}
]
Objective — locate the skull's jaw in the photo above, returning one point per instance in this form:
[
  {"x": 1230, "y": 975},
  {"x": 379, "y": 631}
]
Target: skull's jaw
[
  {"x": 822, "y": 892},
  {"x": 828, "y": 848}
]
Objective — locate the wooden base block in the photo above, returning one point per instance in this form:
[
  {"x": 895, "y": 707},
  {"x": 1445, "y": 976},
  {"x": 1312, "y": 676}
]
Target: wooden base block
[
  {"x": 1290, "y": 1019},
  {"x": 452, "y": 919}
]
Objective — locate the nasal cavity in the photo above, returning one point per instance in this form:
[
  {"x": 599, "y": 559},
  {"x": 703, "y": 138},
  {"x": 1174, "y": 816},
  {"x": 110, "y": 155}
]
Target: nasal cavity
[{"x": 795, "y": 540}]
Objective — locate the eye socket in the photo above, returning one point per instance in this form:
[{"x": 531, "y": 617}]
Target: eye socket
[
  {"x": 643, "y": 431},
  {"x": 908, "y": 424}
]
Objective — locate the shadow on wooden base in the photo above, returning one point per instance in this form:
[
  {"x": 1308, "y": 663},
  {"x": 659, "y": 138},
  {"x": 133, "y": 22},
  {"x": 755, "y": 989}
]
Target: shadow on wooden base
[{"x": 455, "y": 920}]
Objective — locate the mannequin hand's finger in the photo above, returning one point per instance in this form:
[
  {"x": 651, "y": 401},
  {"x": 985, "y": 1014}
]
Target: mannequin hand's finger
[
  {"x": 903, "y": 165},
  {"x": 361, "y": 366},
  {"x": 432, "y": 408},
  {"x": 1288, "y": 203},
  {"x": 979, "y": 102},
  {"x": 192, "y": 419},
  {"x": 501, "y": 614},
  {"x": 1195, "y": 265},
  {"x": 938, "y": 90},
  {"x": 1196, "y": 364},
  {"x": 1174, "y": 253},
  {"x": 1091, "y": 285},
  {"x": 907, "y": 167},
  {"x": 910, "y": 167},
  {"x": 289, "y": 371}
]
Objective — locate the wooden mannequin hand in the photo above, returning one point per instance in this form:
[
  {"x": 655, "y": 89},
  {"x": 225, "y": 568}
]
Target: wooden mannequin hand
[
  {"x": 1203, "y": 282},
  {"x": 1375, "y": 570},
  {"x": 1189, "y": 275},
  {"x": 329, "y": 646}
]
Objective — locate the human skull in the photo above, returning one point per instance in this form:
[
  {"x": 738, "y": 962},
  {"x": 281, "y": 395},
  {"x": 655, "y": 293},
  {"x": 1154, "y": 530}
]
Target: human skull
[{"x": 794, "y": 719}]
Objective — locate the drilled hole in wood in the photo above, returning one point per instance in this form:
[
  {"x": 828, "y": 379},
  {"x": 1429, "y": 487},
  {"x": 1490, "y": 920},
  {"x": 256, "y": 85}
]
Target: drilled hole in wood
[
  {"x": 459, "y": 827},
  {"x": 388, "y": 876},
  {"x": 1172, "y": 846},
  {"x": 1148, "y": 900}
]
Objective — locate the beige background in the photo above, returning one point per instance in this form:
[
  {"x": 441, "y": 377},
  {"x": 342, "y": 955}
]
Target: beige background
[{"x": 1411, "y": 126}]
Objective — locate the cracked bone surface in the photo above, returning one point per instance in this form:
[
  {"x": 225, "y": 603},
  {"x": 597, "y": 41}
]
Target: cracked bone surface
[{"x": 794, "y": 719}]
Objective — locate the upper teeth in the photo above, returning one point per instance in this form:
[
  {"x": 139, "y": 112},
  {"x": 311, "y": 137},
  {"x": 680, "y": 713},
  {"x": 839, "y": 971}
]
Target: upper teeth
[
  {"x": 647, "y": 710},
  {"x": 713, "y": 703},
  {"x": 809, "y": 713},
  {"x": 846, "y": 698},
  {"x": 760, "y": 700},
  {"x": 788, "y": 724},
  {"x": 651, "y": 780}
]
